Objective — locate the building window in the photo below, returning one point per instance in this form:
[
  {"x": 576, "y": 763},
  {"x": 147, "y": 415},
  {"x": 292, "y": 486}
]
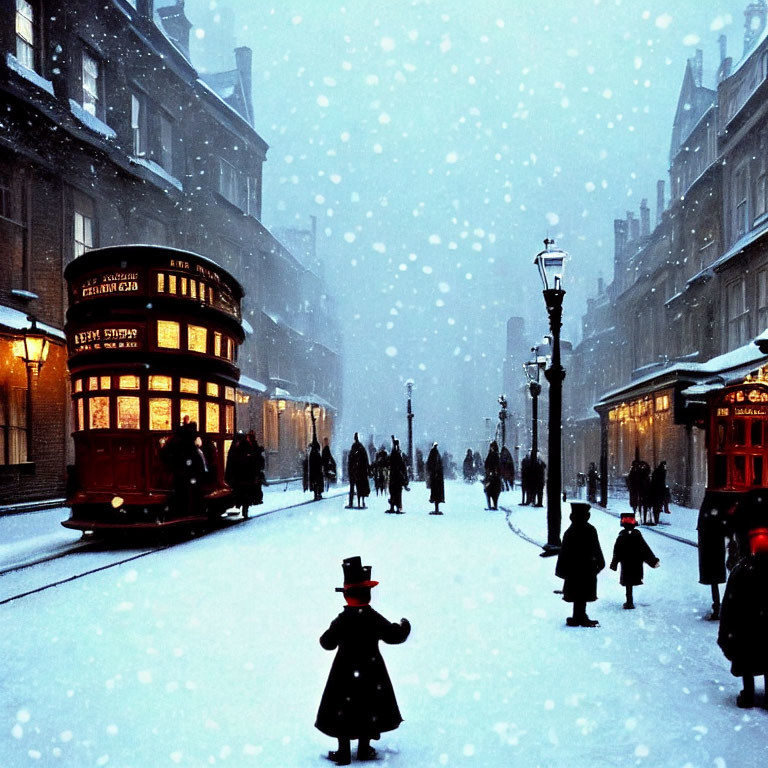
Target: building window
[
  {"x": 160, "y": 383},
  {"x": 741, "y": 200},
  {"x": 98, "y": 409},
  {"x": 26, "y": 42},
  {"x": 227, "y": 180},
  {"x": 83, "y": 233},
  {"x": 139, "y": 124},
  {"x": 197, "y": 338},
  {"x": 168, "y": 334},
  {"x": 13, "y": 425},
  {"x": 191, "y": 409},
  {"x": 92, "y": 80},
  {"x": 165, "y": 150},
  {"x": 159, "y": 413},
  {"x": 762, "y": 300},
  {"x": 128, "y": 412},
  {"x": 6, "y": 210},
  {"x": 211, "y": 417},
  {"x": 189, "y": 385},
  {"x": 737, "y": 314}
]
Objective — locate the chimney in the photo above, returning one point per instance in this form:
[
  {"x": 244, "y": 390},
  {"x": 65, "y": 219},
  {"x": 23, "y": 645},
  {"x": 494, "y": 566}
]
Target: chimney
[
  {"x": 645, "y": 218},
  {"x": 176, "y": 25},
  {"x": 600, "y": 286},
  {"x": 659, "y": 201},
  {"x": 243, "y": 61},
  {"x": 619, "y": 238},
  {"x": 724, "y": 70},
  {"x": 723, "y": 43},
  {"x": 633, "y": 226},
  {"x": 754, "y": 23},
  {"x": 697, "y": 65}
]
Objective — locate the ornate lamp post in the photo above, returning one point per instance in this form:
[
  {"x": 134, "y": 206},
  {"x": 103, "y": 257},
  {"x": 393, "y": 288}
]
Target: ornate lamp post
[
  {"x": 409, "y": 389},
  {"x": 551, "y": 264},
  {"x": 532, "y": 373},
  {"x": 503, "y": 419}
]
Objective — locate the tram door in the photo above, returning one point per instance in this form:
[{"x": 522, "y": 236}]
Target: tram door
[{"x": 739, "y": 439}]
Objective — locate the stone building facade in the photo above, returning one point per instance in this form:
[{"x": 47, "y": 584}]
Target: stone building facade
[{"x": 108, "y": 135}]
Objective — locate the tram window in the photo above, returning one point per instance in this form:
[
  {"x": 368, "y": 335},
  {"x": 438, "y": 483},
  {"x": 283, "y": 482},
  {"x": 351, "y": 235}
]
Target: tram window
[
  {"x": 105, "y": 382},
  {"x": 93, "y": 382},
  {"x": 756, "y": 432},
  {"x": 189, "y": 408},
  {"x": 720, "y": 479},
  {"x": 202, "y": 292},
  {"x": 80, "y": 413},
  {"x": 229, "y": 393},
  {"x": 183, "y": 288},
  {"x": 189, "y": 385},
  {"x": 739, "y": 470},
  {"x": 171, "y": 283},
  {"x": 721, "y": 434},
  {"x": 129, "y": 382},
  {"x": 217, "y": 344},
  {"x": 229, "y": 418},
  {"x": 79, "y": 385},
  {"x": 193, "y": 288},
  {"x": 210, "y": 295},
  {"x": 757, "y": 470},
  {"x": 162, "y": 383},
  {"x": 227, "y": 446},
  {"x": 168, "y": 334},
  {"x": 159, "y": 413},
  {"x": 127, "y": 412},
  {"x": 211, "y": 417},
  {"x": 197, "y": 338},
  {"x": 212, "y": 389},
  {"x": 739, "y": 432},
  {"x": 98, "y": 410},
  {"x": 160, "y": 282}
]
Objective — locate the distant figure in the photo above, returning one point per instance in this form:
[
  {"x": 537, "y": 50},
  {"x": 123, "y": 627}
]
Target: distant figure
[
  {"x": 492, "y": 478},
  {"x": 240, "y": 473},
  {"x": 592, "y": 480},
  {"x": 420, "y": 468},
  {"x": 259, "y": 464},
  {"x": 507, "y": 469},
  {"x": 435, "y": 480},
  {"x": 478, "y": 463},
  {"x": 358, "y": 470},
  {"x": 579, "y": 562},
  {"x": 658, "y": 491},
  {"x": 468, "y": 467},
  {"x": 631, "y": 551},
  {"x": 538, "y": 478},
  {"x": 329, "y": 465},
  {"x": 639, "y": 484},
  {"x": 713, "y": 527},
  {"x": 183, "y": 457},
  {"x": 316, "y": 480},
  {"x": 526, "y": 481},
  {"x": 398, "y": 478},
  {"x": 358, "y": 701},
  {"x": 381, "y": 470}
]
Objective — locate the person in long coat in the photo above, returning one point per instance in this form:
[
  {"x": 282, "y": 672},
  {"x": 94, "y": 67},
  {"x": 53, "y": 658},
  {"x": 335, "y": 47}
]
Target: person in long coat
[
  {"x": 468, "y": 467},
  {"x": 593, "y": 478},
  {"x": 657, "y": 490},
  {"x": 358, "y": 470},
  {"x": 630, "y": 551},
  {"x": 398, "y": 478},
  {"x": 435, "y": 480},
  {"x": 240, "y": 473},
  {"x": 187, "y": 464},
  {"x": 358, "y": 701},
  {"x": 713, "y": 527},
  {"x": 507, "y": 469},
  {"x": 329, "y": 465},
  {"x": 315, "y": 461},
  {"x": 743, "y": 631},
  {"x": 579, "y": 562},
  {"x": 492, "y": 479}
]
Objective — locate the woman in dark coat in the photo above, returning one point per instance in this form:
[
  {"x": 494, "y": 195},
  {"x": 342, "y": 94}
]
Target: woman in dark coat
[
  {"x": 240, "y": 472},
  {"x": 435, "y": 481},
  {"x": 358, "y": 701},
  {"x": 579, "y": 562},
  {"x": 631, "y": 551},
  {"x": 398, "y": 478},
  {"x": 743, "y": 631},
  {"x": 357, "y": 471},
  {"x": 492, "y": 480},
  {"x": 315, "y": 461}
]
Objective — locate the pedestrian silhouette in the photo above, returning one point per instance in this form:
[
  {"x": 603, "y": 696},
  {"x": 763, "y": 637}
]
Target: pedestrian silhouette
[{"x": 631, "y": 551}]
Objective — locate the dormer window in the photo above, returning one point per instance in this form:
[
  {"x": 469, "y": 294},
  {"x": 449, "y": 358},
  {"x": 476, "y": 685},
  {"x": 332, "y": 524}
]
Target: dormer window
[{"x": 26, "y": 42}]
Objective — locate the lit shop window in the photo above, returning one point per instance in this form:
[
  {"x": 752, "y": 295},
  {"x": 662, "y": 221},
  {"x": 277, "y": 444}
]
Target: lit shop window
[
  {"x": 171, "y": 283},
  {"x": 127, "y": 412},
  {"x": 183, "y": 286},
  {"x": 229, "y": 416},
  {"x": 189, "y": 385},
  {"x": 211, "y": 417},
  {"x": 217, "y": 344},
  {"x": 159, "y": 413},
  {"x": 160, "y": 282},
  {"x": 189, "y": 408},
  {"x": 80, "y": 413},
  {"x": 105, "y": 382},
  {"x": 211, "y": 389},
  {"x": 98, "y": 409},
  {"x": 168, "y": 334},
  {"x": 197, "y": 338},
  {"x": 160, "y": 383},
  {"x": 662, "y": 403},
  {"x": 193, "y": 289},
  {"x": 229, "y": 393},
  {"x": 129, "y": 382},
  {"x": 79, "y": 385},
  {"x": 93, "y": 383}
]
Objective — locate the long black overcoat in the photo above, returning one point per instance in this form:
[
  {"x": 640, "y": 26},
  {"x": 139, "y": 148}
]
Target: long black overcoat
[
  {"x": 358, "y": 470},
  {"x": 398, "y": 477},
  {"x": 435, "y": 479},
  {"x": 713, "y": 526},
  {"x": 579, "y": 562},
  {"x": 743, "y": 632},
  {"x": 630, "y": 551},
  {"x": 358, "y": 700}
]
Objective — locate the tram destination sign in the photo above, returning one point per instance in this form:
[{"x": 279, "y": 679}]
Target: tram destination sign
[
  {"x": 101, "y": 337},
  {"x": 107, "y": 283}
]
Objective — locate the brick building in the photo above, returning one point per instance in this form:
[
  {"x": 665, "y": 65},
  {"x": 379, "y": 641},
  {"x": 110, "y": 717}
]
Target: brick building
[
  {"x": 689, "y": 296},
  {"x": 108, "y": 135}
]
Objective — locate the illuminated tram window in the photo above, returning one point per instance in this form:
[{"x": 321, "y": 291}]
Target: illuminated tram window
[
  {"x": 229, "y": 418},
  {"x": 129, "y": 382},
  {"x": 79, "y": 385},
  {"x": 128, "y": 412},
  {"x": 105, "y": 382},
  {"x": 229, "y": 393},
  {"x": 168, "y": 334},
  {"x": 159, "y": 413},
  {"x": 162, "y": 383},
  {"x": 193, "y": 288},
  {"x": 210, "y": 295},
  {"x": 211, "y": 416},
  {"x": 212, "y": 389},
  {"x": 80, "y": 413},
  {"x": 227, "y": 446},
  {"x": 98, "y": 411},
  {"x": 189, "y": 385},
  {"x": 202, "y": 292},
  {"x": 93, "y": 382},
  {"x": 197, "y": 338},
  {"x": 217, "y": 344},
  {"x": 160, "y": 282},
  {"x": 171, "y": 283},
  {"x": 189, "y": 408},
  {"x": 183, "y": 288}
]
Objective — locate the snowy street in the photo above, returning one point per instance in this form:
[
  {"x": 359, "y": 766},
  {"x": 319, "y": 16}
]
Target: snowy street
[{"x": 207, "y": 653}]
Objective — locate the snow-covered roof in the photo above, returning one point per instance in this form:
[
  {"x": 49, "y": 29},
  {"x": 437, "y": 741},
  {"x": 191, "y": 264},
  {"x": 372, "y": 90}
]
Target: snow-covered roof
[
  {"x": 246, "y": 382},
  {"x": 15, "y": 320}
]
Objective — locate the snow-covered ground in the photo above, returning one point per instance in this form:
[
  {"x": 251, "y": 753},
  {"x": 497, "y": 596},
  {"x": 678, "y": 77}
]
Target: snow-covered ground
[{"x": 208, "y": 654}]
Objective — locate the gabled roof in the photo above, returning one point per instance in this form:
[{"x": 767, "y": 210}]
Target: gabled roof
[
  {"x": 229, "y": 87},
  {"x": 694, "y": 101}
]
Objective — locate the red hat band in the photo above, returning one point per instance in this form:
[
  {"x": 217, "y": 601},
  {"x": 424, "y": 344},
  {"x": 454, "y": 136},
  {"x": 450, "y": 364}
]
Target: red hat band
[{"x": 758, "y": 541}]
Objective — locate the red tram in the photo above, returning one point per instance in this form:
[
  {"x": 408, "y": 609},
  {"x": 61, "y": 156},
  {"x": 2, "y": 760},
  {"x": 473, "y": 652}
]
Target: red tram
[{"x": 152, "y": 336}]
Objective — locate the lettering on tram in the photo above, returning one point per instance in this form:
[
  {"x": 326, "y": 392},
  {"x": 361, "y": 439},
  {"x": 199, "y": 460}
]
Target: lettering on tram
[{"x": 154, "y": 387}]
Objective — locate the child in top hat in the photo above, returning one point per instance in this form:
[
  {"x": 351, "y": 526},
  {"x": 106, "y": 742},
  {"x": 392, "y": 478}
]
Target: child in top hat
[
  {"x": 631, "y": 551},
  {"x": 358, "y": 701}
]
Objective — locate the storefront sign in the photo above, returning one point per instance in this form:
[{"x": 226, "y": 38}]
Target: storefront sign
[
  {"x": 108, "y": 283},
  {"x": 750, "y": 410},
  {"x": 107, "y": 337}
]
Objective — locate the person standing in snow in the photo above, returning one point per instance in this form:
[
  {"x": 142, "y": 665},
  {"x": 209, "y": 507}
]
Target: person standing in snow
[
  {"x": 358, "y": 470},
  {"x": 579, "y": 562},
  {"x": 658, "y": 491},
  {"x": 631, "y": 551},
  {"x": 358, "y": 701},
  {"x": 468, "y": 467},
  {"x": 435, "y": 480},
  {"x": 329, "y": 465},
  {"x": 398, "y": 478},
  {"x": 743, "y": 631},
  {"x": 492, "y": 479},
  {"x": 713, "y": 527}
]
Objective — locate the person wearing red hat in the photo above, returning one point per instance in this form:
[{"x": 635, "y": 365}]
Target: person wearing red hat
[
  {"x": 358, "y": 701},
  {"x": 631, "y": 551},
  {"x": 743, "y": 631}
]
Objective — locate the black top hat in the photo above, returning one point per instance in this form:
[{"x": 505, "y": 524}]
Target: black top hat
[
  {"x": 580, "y": 511},
  {"x": 356, "y": 574}
]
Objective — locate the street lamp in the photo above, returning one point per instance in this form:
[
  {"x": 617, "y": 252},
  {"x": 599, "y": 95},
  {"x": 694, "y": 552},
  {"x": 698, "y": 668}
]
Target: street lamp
[
  {"x": 551, "y": 264},
  {"x": 409, "y": 389},
  {"x": 532, "y": 371},
  {"x": 503, "y": 419}
]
